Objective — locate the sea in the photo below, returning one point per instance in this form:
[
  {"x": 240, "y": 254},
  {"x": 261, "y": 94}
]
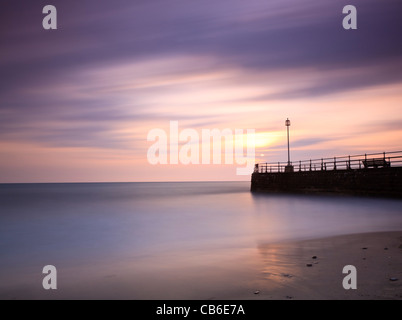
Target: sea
[{"x": 161, "y": 240}]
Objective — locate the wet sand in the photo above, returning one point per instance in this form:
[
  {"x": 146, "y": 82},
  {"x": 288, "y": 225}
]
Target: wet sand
[
  {"x": 312, "y": 269},
  {"x": 291, "y": 270}
]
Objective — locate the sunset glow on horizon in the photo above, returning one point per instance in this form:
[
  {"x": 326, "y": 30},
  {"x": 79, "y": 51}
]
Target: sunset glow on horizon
[{"x": 77, "y": 103}]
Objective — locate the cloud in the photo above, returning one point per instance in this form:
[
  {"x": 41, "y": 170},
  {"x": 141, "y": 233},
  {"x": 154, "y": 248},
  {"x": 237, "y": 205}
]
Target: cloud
[{"x": 115, "y": 67}]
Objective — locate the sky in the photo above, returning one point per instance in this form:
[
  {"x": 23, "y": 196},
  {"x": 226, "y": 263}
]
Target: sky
[{"x": 77, "y": 103}]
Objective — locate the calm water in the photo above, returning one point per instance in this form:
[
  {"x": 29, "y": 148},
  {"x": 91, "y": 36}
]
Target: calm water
[{"x": 160, "y": 240}]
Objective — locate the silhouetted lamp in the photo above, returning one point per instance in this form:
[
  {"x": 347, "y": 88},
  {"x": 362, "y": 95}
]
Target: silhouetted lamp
[{"x": 289, "y": 167}]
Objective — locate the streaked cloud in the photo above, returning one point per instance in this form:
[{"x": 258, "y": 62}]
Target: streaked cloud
[{"x": 115, "y": 70}]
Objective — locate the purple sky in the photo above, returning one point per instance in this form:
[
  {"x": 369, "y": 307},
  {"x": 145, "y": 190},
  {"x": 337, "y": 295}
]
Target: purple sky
[{"x": 90, "y": 91}]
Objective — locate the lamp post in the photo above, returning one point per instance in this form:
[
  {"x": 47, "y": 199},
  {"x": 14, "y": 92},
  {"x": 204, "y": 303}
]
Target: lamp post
[{"x": 289, "y": 167}]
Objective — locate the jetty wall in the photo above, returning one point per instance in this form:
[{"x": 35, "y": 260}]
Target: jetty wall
[{"x": 386, "y": 182}]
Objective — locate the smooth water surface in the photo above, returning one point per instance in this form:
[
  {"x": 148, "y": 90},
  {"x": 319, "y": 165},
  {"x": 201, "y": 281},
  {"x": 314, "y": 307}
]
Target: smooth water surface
[{"x": 160, "y": 240}]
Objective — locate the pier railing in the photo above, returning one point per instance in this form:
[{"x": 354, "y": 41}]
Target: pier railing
[{"x": 363, "y": 161}]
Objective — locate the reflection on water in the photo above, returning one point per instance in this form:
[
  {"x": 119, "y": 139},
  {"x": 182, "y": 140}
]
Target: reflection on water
[
  {"x": 160, "y": 240},
  {"x": 302, "y": 216}
]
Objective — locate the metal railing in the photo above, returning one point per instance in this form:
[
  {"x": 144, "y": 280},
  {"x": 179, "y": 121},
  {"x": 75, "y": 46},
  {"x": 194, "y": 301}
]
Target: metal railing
[{"x": 363, "y": 161}]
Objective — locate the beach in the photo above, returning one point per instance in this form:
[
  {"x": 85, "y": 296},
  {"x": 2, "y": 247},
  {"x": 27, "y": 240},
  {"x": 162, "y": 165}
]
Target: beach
[
  {"x": 312, "y": 269},
  {"x": 195, "y": 241}
]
